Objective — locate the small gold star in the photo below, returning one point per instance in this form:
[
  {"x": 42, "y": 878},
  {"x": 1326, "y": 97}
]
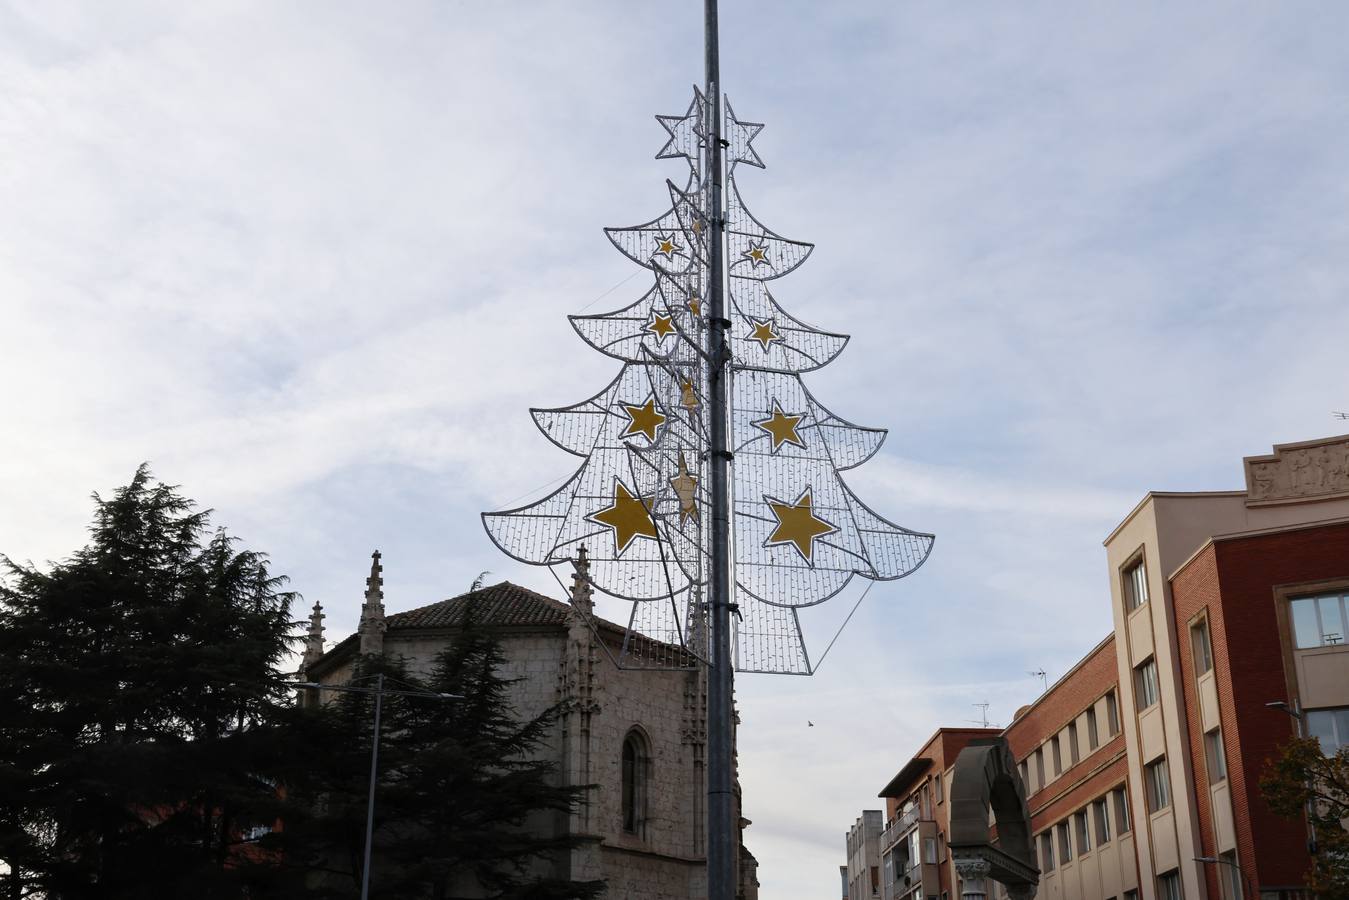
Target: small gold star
[
  {"x": 660, "y": 326},
  {"x": 781, "y": 427},
  {"x": 629, "y": 517},
  {"x": 686, "y": 489},
  {"x": 666, "y": 244},
  {"x": 757, "y": 254},
  {"x": 688, "y": 397},
  {"x": 764, "y": 333},
  {"x": 643, "y": 419},
  {"x": 797, "y": 525}
]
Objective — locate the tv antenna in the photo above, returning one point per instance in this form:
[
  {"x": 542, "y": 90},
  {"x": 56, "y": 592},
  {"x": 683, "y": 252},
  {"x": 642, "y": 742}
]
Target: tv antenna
[
  {"x": 982, "y": 721},
  {"x": 1044, "y": 679},
  {"x": 1340, "y": 415}
]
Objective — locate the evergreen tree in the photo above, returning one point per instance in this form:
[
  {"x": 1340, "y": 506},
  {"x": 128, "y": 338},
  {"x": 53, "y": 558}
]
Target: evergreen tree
[
  {"x": 140, "y": 709},
  {"x": 464, "y": 807}
]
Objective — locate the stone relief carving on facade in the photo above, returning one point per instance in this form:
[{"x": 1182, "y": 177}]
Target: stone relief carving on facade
[{"x": 1308, "y": 470}]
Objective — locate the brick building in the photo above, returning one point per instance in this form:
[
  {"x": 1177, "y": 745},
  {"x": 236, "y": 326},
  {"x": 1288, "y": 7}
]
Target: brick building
[
  {"x": 1141, "y": 764},
  {"x": 634, "y": 739}
]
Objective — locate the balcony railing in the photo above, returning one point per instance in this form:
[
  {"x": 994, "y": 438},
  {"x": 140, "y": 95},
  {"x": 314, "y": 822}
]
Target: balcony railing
[{"x": 898, "y": 827}]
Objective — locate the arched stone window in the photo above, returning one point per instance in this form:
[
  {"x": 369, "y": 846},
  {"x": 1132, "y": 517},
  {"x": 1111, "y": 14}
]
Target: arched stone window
[{"x": 636, "y": 761}]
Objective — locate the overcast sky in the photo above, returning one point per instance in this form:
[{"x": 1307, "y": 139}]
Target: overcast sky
[{"x": 313, "y": 260}]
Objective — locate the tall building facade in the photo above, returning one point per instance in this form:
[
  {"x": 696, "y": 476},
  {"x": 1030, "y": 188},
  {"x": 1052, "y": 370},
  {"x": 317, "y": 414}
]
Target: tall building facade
[
  {"x": 1141, "y": 765},
  {"x": 863, "y": 872}
]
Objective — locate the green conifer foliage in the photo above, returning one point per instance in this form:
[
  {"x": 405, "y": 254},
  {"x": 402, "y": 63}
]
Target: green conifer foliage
[
  {"x": 465, "y": 807},
  {"x": 140, "y": 703}
]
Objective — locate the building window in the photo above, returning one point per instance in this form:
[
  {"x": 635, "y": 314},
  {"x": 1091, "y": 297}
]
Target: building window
[
  {"x": 1330, "y": 727},
  {"x": 1039, "y": 767},
  {"x": 1145, "y": 684},
  {"x": 941, "y": 847},
  {"x": 1073, "y": 755},
  {"x": 1135, "y": 586},
  {"x": 1168, "y": 886},
  {"x": 1158, "y": 785},
  {"x": 1057, "y": 754},
  {"x": 930, "y": 850},
  {"x": 1047, "y": 851},
  {"x": 1120, "y": 800},
  {"x": 1231, "y": 876},
  {"x": 1319, "y": 621},
  {"x": 1215, "y": 755},
  {"x": 1202, "y": 647},
  {"x": 1102, "y": 817},
  {"x": 634, "y": 783},
  {"x": 1083, "y": 835},
  {"x": 1093, "y": 735},
  {"x": 1024, "y": 769},
  {"x": 1065, "y": 845},
  {"x": 1131, "y": 895},
  {"x": 1112, "y": 713},
  {"x": 941, "y": 788}
]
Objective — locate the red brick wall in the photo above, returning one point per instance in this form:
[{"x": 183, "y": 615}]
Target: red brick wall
[
  {"x": 1065, "y": 701},
  {"x": 1236, "y": 579}
]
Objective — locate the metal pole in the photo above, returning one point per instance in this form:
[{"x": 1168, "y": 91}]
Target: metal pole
[
  {"x": 370, "y": 799},
  {"x": 721, "y": 841}
]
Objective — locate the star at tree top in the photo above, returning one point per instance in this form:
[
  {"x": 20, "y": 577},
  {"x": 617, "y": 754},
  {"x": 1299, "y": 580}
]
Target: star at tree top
[
  {"x": 781, "y": 427},
  {"x": 628, "y": 517},
  {"x": 644, "y": 419},
  {"x": 764, "y": 333},
  {"x": 797, "y": 525},
  {"x": 686, "y": 132},
  {"x": 738, "y": 137}
]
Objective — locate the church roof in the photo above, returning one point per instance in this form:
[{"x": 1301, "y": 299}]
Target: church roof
[{"x": 497, "y": 604}]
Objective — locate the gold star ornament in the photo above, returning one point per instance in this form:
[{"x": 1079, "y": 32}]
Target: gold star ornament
[
  {"x": 764, "y": 333},
  {"x": 797, "y": 525},
  {"x": 757, "y": 254},
  {"x": 660, "y": 326},
  {"x": 644, "y": 419},
  {"x": 686, "y": 489},
  {"x": 695, "y": 305},
  {"x": 781, "y": 427},
  {"x": 667, "y": 245},
  {"x": 628, "y": 517}
]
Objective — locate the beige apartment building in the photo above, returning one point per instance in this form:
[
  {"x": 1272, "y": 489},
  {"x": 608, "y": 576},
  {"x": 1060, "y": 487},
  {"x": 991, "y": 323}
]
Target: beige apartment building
[{"x": 1141, "y": 765}]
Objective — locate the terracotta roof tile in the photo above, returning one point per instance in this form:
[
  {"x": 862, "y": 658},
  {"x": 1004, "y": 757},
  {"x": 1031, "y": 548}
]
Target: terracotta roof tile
[{"x": 498, "y": 604}]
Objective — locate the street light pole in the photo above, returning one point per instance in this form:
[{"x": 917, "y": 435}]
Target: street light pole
[
  {"x": 1245, "y": 882},
  {"x": 379, "y": 692}
]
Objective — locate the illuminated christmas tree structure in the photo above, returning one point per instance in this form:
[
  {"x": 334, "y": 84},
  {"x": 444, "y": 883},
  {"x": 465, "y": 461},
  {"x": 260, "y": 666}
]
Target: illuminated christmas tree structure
[{"x": 640, "y": 502}]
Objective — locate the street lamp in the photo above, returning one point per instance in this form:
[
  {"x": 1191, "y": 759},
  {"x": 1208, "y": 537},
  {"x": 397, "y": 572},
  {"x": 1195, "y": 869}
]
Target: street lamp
[
  {"x": 351, "y": 687},
  {"x": 1296, "y": 713},
  {"x": 1246, "y": 884}
]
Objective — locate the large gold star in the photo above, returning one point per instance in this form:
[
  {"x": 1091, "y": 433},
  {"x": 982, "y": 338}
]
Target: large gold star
[
  {"x": 797, "y": 525},
  {"x": 666, "y": 244},
  {"x": 757, "y": 254},
  {"x": 764, "y": 333},
  {"x": 686, "y": 489},
  {"x": 629, "y": 517},
  {"x": 782, "y": 427},
  {"x": 660, "y": 326},
  {"x": 644, "y": 419}
]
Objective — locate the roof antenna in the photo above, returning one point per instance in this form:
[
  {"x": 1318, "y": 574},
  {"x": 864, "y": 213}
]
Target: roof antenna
[
  {"x": 982, "y": 721},
  {"x": 1340, "y": 415},
  {"x": 1044, "y": 679}
]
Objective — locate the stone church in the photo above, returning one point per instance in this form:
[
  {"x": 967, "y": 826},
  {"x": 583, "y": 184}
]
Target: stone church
[{"x": 636, "y": 737}]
